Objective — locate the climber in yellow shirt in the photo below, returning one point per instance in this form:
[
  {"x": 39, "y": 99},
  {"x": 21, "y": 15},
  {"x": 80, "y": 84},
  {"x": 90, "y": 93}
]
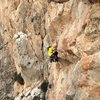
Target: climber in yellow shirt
[
  {"x": 52, "y": 54},
  {"x": 50, "y": 51}
]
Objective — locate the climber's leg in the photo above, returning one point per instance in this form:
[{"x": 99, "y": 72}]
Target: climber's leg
[
  {"x": 51, "y": 59},
  {"x": 56, "y": 56}
]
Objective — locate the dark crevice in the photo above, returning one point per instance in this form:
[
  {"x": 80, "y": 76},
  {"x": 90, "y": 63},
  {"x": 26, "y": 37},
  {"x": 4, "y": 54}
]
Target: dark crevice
[
  {"x": 69, "y": 97},
  {"x": 44, "y": 86},
  {"x": 58, "y": 1},
  {"x": 18, "y": 78},
  {"x": 94, "y": 1},
  {"x": 42, "y": 49},
  {"x": 43, "y": 57},
  {"x": 84, "y": 26}
]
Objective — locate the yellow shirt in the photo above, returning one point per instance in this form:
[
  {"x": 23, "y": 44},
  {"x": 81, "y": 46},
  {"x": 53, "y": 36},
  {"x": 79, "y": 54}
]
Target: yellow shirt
[{"x": 50, "y": 51}]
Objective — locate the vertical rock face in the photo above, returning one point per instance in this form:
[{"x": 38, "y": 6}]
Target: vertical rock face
[
  {"x": 6, "y": 71},
  {"x": 28, "y": 27},
  {"x": 31, "y": 68}
]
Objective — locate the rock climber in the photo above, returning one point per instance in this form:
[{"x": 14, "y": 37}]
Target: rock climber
[{"x": 53, "y": 54}]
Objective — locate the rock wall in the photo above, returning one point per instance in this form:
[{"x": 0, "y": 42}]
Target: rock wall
[{"x": 28, "y": 27}]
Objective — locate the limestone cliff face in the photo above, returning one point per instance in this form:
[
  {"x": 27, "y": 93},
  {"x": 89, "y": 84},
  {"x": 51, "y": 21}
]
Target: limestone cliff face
[{"x": 28, "y": 27}]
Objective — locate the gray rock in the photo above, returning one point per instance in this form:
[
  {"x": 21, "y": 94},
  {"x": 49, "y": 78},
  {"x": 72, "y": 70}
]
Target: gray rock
[
  {"x": 27, "y": 98},
  {"x": 17, "y": 98},
  {"x": 36, "y": 92},
  {"x": 27, "y": 93},
  {"x": 28, "y": 59}
]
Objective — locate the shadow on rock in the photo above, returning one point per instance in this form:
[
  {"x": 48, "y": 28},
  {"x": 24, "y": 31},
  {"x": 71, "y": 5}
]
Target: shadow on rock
[{"x": 69, "y": 97}]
